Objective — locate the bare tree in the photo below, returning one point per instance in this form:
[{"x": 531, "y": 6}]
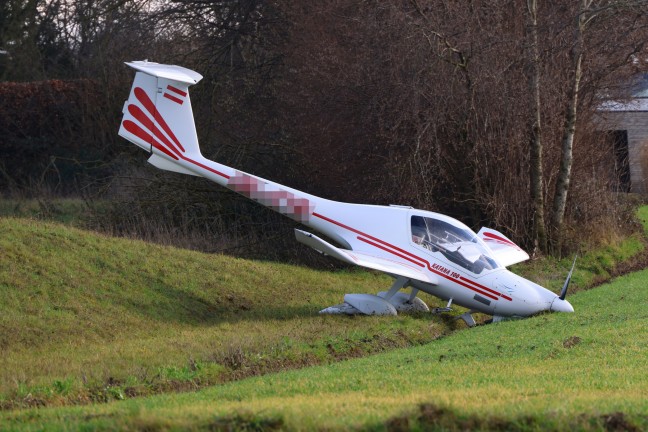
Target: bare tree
[
  {"x": 588, "y": 11},
  {"x": 564, "y": 173},
  {"x": 536, "y": 175},
  {"x": 449, "y": 106}
]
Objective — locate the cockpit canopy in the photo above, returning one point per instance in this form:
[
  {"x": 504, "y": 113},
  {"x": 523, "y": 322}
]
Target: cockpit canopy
[{"x": 457, "y": 244}]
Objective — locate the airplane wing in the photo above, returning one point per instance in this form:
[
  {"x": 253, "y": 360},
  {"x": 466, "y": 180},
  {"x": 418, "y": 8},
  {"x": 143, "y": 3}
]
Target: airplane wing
[
  {"x": 505, "y": 251},
  {"x": 363, "y": 259}
]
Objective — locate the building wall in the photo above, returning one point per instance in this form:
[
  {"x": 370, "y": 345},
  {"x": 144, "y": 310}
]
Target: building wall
[{"x": 636, "y": 123}]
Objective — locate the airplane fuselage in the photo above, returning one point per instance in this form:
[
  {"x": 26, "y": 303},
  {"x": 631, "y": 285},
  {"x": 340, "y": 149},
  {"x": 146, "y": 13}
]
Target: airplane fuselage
[{"x": 385, "y": 232}]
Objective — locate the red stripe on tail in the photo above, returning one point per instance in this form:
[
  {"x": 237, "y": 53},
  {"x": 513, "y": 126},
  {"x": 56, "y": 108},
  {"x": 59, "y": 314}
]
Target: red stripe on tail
[
  {"x": 141, "y": 96},
  {"x": 136, "y": 112},
  {"x": 173, "y": 98},
  {"x": 133, "y": 128},
  {"x": 177, "y": 90}
]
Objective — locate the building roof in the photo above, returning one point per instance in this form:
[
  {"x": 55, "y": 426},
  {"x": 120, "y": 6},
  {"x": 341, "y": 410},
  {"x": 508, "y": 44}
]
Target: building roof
[
  {"x": 638, "y": 98},
  {"x": 639, "y": 104}
]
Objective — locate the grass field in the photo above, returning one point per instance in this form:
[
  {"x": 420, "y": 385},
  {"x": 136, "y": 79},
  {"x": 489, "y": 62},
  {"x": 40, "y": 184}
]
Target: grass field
[
  {"x": 585, "y": 370},
  {"x": 86, "y": 318}
]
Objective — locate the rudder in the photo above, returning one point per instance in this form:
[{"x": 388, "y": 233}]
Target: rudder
[{"x": 158, "y": 116}]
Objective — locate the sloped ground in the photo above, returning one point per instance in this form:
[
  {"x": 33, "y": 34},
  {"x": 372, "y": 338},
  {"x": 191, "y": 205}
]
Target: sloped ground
[
  {"x": 585, "y": 370},
  {"x": 88, "y": 318}
]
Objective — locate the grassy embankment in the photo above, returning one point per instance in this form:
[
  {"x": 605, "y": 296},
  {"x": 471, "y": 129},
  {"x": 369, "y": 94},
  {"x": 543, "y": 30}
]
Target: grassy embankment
[
  {"x": 580, "y": 371},
  {"x": 86, "y": 318}
]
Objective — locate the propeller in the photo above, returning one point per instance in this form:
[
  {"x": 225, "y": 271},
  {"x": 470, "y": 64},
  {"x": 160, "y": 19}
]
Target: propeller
[{"x": 563, "y": 292}]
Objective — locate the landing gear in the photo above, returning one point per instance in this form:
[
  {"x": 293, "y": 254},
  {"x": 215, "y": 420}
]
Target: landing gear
[
  {"x": 404, "y": 302},
  {"x": 443, "y": 309},
  {"x": 467, "y": 317},
  {"x": 391, "y": 303}
]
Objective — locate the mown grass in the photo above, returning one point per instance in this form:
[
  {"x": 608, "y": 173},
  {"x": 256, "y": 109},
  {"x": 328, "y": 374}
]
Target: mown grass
[
  {"x": 85, "y": 318},
  {"x": 580, "y": 371}
]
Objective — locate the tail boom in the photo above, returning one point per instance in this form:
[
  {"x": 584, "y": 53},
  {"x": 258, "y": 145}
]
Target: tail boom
[{"x": 158, "y": 118}]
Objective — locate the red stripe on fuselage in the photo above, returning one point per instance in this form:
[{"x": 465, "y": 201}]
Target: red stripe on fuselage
[
  {"x": 463, "y": 282},
  {"x": 485, "y": 288},
  {"x": 371, "y": 237},
  {"x": 207, "y": 168},
  {"x": 392, "y": 252}
]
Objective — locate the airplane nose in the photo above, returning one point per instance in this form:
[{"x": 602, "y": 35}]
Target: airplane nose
[{"x": 561, "y": 306}]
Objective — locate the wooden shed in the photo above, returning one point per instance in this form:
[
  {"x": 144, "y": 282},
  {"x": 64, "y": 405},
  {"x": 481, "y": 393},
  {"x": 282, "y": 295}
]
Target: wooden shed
[{"x": 627, "y": 125}]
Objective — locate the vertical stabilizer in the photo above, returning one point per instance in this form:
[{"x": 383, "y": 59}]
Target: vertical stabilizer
[{"x": 158, "y": 115}]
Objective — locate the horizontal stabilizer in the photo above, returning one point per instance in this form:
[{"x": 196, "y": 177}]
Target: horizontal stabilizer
[
  {"x": 505, "y": 251},
  {"x": 322, "y": 246},
  {"x": 364, "y": 260},
  {"x": 170, "y": 72},
  {"x": 165, "y": 164}
]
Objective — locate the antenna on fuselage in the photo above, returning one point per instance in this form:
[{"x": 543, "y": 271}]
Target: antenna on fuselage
[{"x": 563, "y": 292}]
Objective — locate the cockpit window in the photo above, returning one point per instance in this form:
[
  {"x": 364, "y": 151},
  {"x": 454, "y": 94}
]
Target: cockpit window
[{"x": 458, "y": 245}]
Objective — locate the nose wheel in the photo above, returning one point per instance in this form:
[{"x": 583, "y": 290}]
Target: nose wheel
[
  {"x": 441, "y": 310},
  {"x": 466, "y": 317}
]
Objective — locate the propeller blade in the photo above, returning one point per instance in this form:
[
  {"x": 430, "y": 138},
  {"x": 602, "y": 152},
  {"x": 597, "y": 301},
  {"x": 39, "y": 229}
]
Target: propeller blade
[{"x": 563, "y": 292}]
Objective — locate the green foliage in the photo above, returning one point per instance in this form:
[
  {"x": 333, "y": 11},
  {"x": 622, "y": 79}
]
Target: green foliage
[
  {"x": 642, "y": 215},
  {"x": 63, "y": 387},
  {"x": 69, "y": 211},
  {"x": 592, "y": 267}
]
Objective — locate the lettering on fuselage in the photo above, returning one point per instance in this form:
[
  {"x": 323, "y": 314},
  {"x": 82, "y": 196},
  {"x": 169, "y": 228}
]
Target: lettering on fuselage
[{"x": 445, "y": 271}]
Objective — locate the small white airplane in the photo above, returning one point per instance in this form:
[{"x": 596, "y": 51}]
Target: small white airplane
[{"x": 423, "y": 250}]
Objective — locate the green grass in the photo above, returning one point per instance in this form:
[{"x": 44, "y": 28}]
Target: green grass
[
  {"x": 585, "y": 370},
  {"x": 70, "y": 211},
  {"x": 593, "y": 266},
  {"x": 86, "y": 318},
  {"x": 642, "y": 215}
]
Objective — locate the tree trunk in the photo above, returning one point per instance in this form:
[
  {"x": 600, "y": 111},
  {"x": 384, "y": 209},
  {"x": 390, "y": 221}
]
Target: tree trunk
[
  {"x": 564, "y": 175},
  {"x": 539, "y": 235}
]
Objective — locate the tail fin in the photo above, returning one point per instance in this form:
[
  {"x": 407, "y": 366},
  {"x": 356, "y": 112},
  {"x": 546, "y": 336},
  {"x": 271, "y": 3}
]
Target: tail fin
[{"x": 158, "y": 116}]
